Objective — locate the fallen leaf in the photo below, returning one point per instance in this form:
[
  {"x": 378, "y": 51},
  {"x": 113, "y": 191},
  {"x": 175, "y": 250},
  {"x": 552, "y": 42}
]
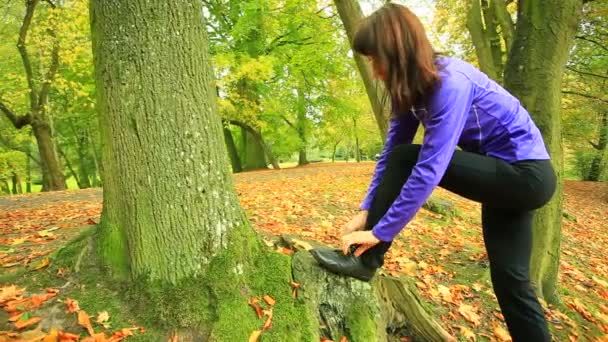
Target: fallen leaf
[
  {"x": 38, "y": 300},
  {"x": 102, "y": 317},
  {"x": 255, "y": 336},
  {"x": 467, "y": 333},
  {"x": 18, "y": 241},
  {"x": 67, "y": 337},
  {"x": 35, "y": 335},
  {"x": 501, "y": 333},
  {"x": 577, "y": 305},
  {"x": 468, "y": 312},
  {"x": 10, "y": 293},
  {"x": 268, "y": 322},
  {"x": 52, "y": 336},
  {"x": 72, "y": 305},
  {"x": 85, "y": 321},
  {"x": 285, "y": 250},
  {"x": 344, "y": 339},
  {"x": 42, "y": 264},
  {"x": 15, "y": 318},
  {"x": 269, "y": 300},
  {"x": 445, "y": 293},
  {"x": 22, "y": 324},
  {"x": 253, "y": 302}
]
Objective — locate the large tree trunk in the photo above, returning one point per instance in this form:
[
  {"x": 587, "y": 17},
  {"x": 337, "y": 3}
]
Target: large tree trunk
[
  {"x": 484, "y": 37},
  {"x": 254, "y": 156},
  {"x": 52, "y": 173},
  {"x": 232, "y": 151},
  {"x": 301, "y": 128},
  {"x": 350, "y": 14},
  {"x": 545, "y": 31}
]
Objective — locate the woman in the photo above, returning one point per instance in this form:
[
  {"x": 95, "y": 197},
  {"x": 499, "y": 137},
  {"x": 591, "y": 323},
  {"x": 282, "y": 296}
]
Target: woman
[{"x": 503, "y": 162}]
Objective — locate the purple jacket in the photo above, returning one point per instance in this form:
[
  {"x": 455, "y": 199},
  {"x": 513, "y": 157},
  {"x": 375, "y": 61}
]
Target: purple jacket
[{"x": 468, "y": 110}]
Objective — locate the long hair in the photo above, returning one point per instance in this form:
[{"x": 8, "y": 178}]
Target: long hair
[{"x": 395, "y": 38}]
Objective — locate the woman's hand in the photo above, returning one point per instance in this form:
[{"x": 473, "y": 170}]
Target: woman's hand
[
  {"x": 356, "y": 223},
  {"x": 365, "y": 240}
]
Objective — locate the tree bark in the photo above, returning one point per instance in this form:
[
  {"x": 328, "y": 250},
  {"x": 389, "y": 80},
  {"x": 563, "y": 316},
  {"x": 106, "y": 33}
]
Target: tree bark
[
  {"x": 17, "y": 189},
  {"x": 357, "y": 149},
  {"x": 28, "y": 175},
  {"x": 301, "y": 128},
  {"x": 483, "y": 40},
  {"x": 545, "y": 31},
  {"x": 68, "y": 164},
  {"x": 83, "y": 163},
  {"x": 598, "y": 163},
  {"x": 351, "y": 14},
  {"x": 232, "y": 152},
  {"x": 52, "y": 173}
]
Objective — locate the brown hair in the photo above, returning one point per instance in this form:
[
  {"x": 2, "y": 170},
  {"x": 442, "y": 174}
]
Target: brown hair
[{"x": 395, "y": 38}]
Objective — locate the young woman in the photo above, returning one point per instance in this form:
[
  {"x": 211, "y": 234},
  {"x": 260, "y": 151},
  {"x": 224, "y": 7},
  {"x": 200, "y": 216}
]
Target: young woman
[{"x": 503, "y": 162}]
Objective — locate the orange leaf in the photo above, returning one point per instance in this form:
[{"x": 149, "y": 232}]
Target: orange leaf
[
  {"x": 67, "y": 337},
  {"x": 15, "y": 318},
  {"x": 344, "y": 339},
  {"x": 52, "y": 336},
  {"x": 174, "y": 338},
  {"x": 253, "y": 302},
  {"x": 22, "y": 324},
  {"x": 72, "y": 305},
  {"x": 255, "y": 336},
  {"x": 268, "y": 322},
  {"x": 37, "y": 300},
  {"x": 85, "y": 321},
  {"x": 285, "y": 250},
  {"x": 269, "y": 300}
]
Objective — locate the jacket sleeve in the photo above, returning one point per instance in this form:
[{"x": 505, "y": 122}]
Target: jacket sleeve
[
  {"x": 401, "y": 130},
  {"x": 447, "y": 113}
]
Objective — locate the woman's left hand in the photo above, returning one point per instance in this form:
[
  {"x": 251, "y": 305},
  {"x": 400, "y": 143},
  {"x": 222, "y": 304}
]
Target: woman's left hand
[{"x": 365, "y": 239}]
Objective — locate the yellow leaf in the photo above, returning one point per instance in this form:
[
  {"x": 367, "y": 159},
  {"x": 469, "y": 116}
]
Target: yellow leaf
[
  {"x": 18, "y": 241},
  {"x": 42, "y": 264},
  {"x": 255, "y": 336},
  {"x": 102, "y": 317},
  {"x": 467, "y": 333},
  {"x": 85, "y": 321},
  {"x": 501, "y": 333},
  {"x": 468, "y": 312}
]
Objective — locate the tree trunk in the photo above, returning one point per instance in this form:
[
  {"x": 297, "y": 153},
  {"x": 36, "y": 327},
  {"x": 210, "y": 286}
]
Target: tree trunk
[
  {"x": 483, "y": 39},
  {"x": 301, "y": 128},
  {"x": 598, "y": 163},
  {"x": 350, "y": 14},
  {"x": 28, "y": 174},
  {"x": 98, "y": 169},
  {"x": 255, "y": 158},
  {"x": 357, "y": 149},
  {"x": 17, "y": 189},
  {"x": 171, "y": 219},
  {"x": 333, "y": 152},
  {"x": 232, "y": 152},
  {"x": 70, "y": 168},
  {"x": 545, "y": 31},
  {"x": 4, "y": 187},
  {"x": 52, "y": 173},
  {"x": 83, "y": 163}
]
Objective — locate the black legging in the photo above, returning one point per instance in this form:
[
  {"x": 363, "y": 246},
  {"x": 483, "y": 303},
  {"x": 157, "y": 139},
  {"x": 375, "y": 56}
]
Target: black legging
[{"x": 508, "y": 193}]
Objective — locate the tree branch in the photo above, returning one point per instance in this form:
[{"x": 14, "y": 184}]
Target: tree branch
[
  {"x": 288, "y": 122},
  {"x": 592, "y": 41},
  {"x": 25, "y": 58},
  {"x": 504, "y": 20},
  {"x": 46, "y": 86},
  {"x": 586, "y": 73},
  {"x": 18, "y": 121},
  {"x": 10, "y": 146},
  {"x": 584, "y": 95}
]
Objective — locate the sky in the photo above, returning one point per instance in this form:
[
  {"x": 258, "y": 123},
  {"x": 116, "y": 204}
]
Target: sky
[{"x": 422, "y": 8}]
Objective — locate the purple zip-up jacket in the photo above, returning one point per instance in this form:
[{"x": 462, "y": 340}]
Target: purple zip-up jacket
[{"x": 468, "y": 110}]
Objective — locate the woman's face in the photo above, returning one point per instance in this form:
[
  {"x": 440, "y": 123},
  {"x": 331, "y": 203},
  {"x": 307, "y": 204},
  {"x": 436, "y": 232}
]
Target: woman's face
[{"x": 379, "y": 70}]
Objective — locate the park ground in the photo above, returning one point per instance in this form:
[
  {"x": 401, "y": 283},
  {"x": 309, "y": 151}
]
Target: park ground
[{"x": 442, "y": 253}]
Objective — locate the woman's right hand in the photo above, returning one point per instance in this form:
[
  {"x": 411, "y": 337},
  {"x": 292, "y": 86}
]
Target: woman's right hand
[{"x": 356, "y": 223}]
